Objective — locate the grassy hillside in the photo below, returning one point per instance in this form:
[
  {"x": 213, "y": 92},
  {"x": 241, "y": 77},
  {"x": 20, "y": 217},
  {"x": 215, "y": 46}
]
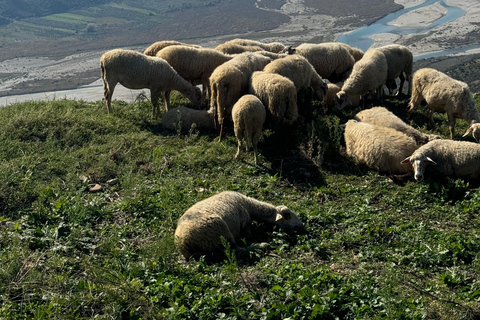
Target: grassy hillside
[{"x": 371, "y": 248}]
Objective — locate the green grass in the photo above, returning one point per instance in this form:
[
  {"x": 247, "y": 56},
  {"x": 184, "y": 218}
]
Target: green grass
[{"x": 371, "y": 248}]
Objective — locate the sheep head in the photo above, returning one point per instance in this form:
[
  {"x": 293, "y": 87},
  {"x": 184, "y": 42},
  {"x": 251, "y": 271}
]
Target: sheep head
[
  {"x": 419, "y": 163},
  {"x": 342, "y": 100},
  {"x": 287, "y": 219}
]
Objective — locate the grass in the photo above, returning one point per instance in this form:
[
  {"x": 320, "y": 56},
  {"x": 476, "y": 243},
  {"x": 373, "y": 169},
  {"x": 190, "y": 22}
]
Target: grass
[{"x": 370, "y": 249}]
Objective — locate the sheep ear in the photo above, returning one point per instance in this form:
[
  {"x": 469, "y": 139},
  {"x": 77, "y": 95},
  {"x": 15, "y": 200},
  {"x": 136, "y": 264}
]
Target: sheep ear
[
  {"x": 406, "y": 160},
  {"x": 279, "y": 217},
  {"x": 429, "y": 160}
]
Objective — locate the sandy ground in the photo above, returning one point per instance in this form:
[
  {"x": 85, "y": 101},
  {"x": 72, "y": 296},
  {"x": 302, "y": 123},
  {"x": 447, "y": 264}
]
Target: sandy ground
[{"x": 305, "y": 24}]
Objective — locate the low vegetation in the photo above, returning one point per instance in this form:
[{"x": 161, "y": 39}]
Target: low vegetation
[{"x": 371, "y": 248}]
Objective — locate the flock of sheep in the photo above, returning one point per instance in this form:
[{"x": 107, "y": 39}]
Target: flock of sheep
[{"x": 252, "y": 84}]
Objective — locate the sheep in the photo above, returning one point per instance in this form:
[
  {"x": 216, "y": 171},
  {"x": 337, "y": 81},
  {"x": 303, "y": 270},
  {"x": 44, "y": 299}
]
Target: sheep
[
  {"x": 443, "y": 93},
  {"x": 187, "y": 117},
  {"x": 272, "y": 55},
  {"x": 232, "y": 48},
  {"x": 368, "y": 74},
  {"x": 230, "y": 81},
  {"x": 279, "y": 96},
  {"x": 135, "y": 70},
  {"x": 248, "y": 115},
  {"x": 456, "y": 159},
  {"x": 332, "y": 60},
  {"x": 275, "y": 47},
  {"x": 194, "y": 64},
  {"x": 300, "y": 71},
  {"x": 227, "y": 214},
  {"x": 331, "y": 101},
  {"x": 380, "y": 148},
  {"x": 400, "y": 62},
  {"x": 380, "y": 116},
  {"x": 159, "y": 45},
  {"x": 356, "y": 53}
]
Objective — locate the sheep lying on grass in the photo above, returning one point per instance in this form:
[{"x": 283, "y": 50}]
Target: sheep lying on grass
[
  {"x": 159, "y": 45},
  {"x": 300, "y": 71},
  {"x": 135, "y": 70},
  {"x": 279, "y": 96},
  {"x": 194, "y": 64},
  {"x": 368, "y": 75},
  {"x": 228, "y": 215},
  {"x": 443, "y": 93},
  {"x": 332, "y": 60},
  {"x": 400, "y": 62},
  {"x": 230, "y": 81},
  {"x": 380, "y": 116},
  {"x": 455, "y": 159},
  {"x": 248, "y": 115},
  {"x": 184, "y": 118},
  {"x": 380, "y": 148}
]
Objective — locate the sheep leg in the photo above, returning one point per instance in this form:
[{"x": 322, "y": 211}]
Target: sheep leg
[
  {"x": 402, "y": 82},
  {"x": 451, "y": 122},
  {"x": 255, "y": 139},
  {"x": 108, "y": 87},
  {"x": 155, "y": 96},
  {"x": 166, "y": 98},
  {"x": 415, "y": 100},
  {"x": 239, "y": 135},
  {"x": 429, "y": 114}
]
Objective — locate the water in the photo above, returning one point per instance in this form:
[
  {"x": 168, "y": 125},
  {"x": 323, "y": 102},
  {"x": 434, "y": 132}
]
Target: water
[{"x": 360, "y": 38}]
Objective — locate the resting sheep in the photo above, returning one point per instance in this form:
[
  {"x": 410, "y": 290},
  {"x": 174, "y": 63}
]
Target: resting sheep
[
  {"x": 379, "y": 148},
  {"x": 230, "y": 81},
  {"x": 368, "y": 74},
  {"x": 279, "y": 96},
  {"x": 248, "y": 115},
  {"x": 443, "y": 93},
  {"x": 194, "y": 64},
  {"x": 135, "y": 70},
  {"x": 275, "y": 47},
  {"x": 159, "y": 45},
  {"x": 332, "y": 60},
  {"x": 400, "y": 62},
  {"x": 380, "y": 116},
  {"x": 187, "y": 117},
  {"x": 300, "y": 71},
  {"x": 455, "y": 159},
  {"x": 227, "y": 214}
]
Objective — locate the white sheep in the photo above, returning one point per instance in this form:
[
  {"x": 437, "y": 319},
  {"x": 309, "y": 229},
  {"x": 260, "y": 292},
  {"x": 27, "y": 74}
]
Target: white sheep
[
  {"x": 400, "y": 65},
  {"x": 275, "y": 47},
  {"x": 187, "y": 117},
  {"x": 380, "y": 116},
  {"x": 227, "y": 214},
  {"x": 279, "y": 96},
  {"x": 380, "y": 148},
  {"x": 248, "y": 115},
  {"x": 300, "y": 71},
  {"x": 443, "y": 93},
  {"x": 456, "y": 159},
  {"x": 368, "y": 75},
  {"x": 331, "y": 101},
  {"x": 331, "y": 60},
  {"x": 230, "y": 81},
  {"x": 135, "y": 70},
  {"x": 194, "y": 64},
  {"x": 232, "y": 48},
  {"x": 159, "y": 45},
  {"x": 356, "y": 53}
]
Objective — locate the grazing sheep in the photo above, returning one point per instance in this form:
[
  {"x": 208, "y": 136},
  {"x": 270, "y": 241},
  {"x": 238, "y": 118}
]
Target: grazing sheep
[
  {"x": 248, "y": 115},
  {"x": 332, "y": 60},
  {"x": 194, "y": 64},
  {"x": 380, "y": 116},
  {"x": 356, "y": 53},
  {"x": 279, "y": 96},
  {"x": 443, "y": 93},
  {"x": 400, "y": 62},
  {"x": 455, "y": 159},
  {"x": 275, "y": 47},
  {"x": 300, "y": 71},
  {"x": 135, "y": 70},
  {"x": 272, "y": 55},
  {"x": 232, "y": 48},
  {"x": 230, "y": 81},
  {"x": 380, "y": 148},
  {"x": 187, "y": 117},
  {"x": 368, "y": 74},
  {"x": 159, "y": 45},
  {"x": 226, "y": 214}
]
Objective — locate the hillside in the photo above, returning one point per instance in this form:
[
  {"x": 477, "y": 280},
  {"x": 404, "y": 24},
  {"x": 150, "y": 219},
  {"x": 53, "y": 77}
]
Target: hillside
[{"x": 370, "y": 249}]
